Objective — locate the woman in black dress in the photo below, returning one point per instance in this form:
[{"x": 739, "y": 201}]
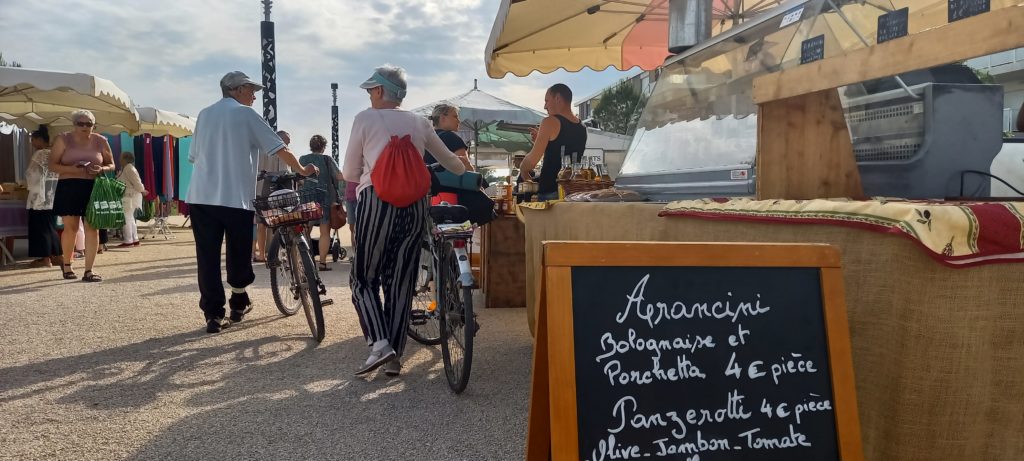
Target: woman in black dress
[{"x": 43, "y": 242}]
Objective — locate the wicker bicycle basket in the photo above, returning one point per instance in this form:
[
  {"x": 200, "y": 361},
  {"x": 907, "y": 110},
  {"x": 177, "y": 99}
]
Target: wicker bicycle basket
[
  {"x": 292, "y": 207},
  {"x": 572, "y": 187}
]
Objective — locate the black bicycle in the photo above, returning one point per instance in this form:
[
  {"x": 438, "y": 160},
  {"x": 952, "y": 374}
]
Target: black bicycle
[
  {"x": 442, "y": 310},
  {"x": 294, "y": 279}
]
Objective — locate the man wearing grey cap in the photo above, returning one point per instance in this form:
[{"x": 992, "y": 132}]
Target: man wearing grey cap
[{"x": 228, "y": 141}]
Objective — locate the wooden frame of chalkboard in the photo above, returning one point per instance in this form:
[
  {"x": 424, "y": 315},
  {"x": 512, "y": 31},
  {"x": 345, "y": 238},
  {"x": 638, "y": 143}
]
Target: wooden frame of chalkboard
[{"x": 553, "y": 428}]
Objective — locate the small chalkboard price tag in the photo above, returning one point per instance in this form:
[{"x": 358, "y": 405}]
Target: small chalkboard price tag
[
  {"x": 692, "y": 351},
  {"x": 960, "y": 9},
  {"x": 892, "y": 25},
  {"x": 812, "y": 49}
]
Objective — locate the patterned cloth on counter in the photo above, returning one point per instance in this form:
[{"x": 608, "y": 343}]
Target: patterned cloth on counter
[{"x": 957, "y": 234}]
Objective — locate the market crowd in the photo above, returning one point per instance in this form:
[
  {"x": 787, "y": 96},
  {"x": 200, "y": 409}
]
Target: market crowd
[{"x": 231, "y": 144}]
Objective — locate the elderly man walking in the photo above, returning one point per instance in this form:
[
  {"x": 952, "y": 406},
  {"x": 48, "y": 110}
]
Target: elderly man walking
[{"x": 229, "y": 138}]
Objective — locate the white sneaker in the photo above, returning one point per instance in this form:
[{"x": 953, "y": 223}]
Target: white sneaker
[{"x": 376, "y": 359}]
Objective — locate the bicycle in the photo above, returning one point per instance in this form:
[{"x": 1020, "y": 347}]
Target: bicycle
[
  {"x": 424, "y": 326},
  {"x": 287, "y": 210},
  {"x": 334, "y": 249},
  {"x": 445, "y": 287}
]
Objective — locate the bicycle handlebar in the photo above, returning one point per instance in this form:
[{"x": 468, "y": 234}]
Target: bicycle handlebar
[{"x": 279, "y": 179}]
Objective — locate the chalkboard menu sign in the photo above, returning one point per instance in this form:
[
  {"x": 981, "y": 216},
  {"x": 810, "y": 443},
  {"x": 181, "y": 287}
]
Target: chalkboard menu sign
[
  {"x": 960, "y": 9},
  {"x": 673, "y": 351},
  {"x": 812, "y": 49},
  {"x": 892, "y": 25}
]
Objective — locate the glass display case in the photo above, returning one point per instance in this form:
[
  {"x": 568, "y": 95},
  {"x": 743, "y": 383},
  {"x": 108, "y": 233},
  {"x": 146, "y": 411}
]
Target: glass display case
[{"x": 697, "y": 135}]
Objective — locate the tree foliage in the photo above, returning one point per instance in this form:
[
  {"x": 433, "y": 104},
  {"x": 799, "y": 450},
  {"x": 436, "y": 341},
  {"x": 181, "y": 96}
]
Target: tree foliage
[
  {"x": 5, "y": 63},
  {"x": 619, "y": 108}
]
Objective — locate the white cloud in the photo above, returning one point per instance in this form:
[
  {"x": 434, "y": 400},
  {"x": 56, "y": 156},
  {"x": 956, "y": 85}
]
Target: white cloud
[{"x": 171, "y": 55}]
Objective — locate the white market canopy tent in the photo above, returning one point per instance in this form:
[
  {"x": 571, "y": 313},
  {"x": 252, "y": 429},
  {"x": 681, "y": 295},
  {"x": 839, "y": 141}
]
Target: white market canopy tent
[
  {"x": 31, "y": 97},
  {"x": 161, "y": 122},
  {"x": 478, "y": 109},
  {"x": 486, "y": 119},
  {"x": 547, "y": 35}
]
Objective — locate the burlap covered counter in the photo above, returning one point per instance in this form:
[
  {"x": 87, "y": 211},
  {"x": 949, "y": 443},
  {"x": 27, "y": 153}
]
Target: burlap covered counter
[{"x": 938, "y": 352}]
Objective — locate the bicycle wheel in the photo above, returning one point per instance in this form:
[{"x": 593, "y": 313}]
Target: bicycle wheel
[
  {"x": 335, "y": 250},
  {"x": 308, "y": 289},
  {"x": 457, "y": 322},
  {"x": 424, "y": 321},
  {"x": 285, "y": 298}
]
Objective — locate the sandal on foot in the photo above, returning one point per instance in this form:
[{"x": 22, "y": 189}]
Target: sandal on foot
[
  {"x": 324, "y": 266},
  {"x": 89, "y": 276},
  {"x": 69, "y": 274}
]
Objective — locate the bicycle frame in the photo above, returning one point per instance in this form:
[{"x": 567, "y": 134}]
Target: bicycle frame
[
  {"x": 461, "y": 240},
  {"x": 288, "y": 233}
]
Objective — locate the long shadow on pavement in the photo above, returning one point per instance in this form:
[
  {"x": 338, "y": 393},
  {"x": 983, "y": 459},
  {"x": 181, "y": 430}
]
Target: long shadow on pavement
[
  {"x": 309, "y": 406},
  {"x": 135, "y": 373}
]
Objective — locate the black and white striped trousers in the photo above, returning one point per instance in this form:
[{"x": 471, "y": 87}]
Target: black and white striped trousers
[{"x": 387, "y": 255}]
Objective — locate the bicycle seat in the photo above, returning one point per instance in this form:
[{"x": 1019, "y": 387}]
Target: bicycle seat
[{"x": 449, "y": 214}]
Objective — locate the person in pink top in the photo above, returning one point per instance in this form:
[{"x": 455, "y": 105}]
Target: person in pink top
[
  {"x": 387, "y": 247},
  {"x": 351, "y": 198},
  {"x": 78, "y": 157}
]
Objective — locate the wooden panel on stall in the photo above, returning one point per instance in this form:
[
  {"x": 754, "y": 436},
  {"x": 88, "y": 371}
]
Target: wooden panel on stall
[
  {"x": 503, "y": 261},
  {"x": 804, "y": 149},
  {"x": 968, "y": 38}
]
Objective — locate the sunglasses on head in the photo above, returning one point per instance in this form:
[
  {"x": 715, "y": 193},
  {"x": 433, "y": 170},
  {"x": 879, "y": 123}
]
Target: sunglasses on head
[{"x": 84, "y": 124}]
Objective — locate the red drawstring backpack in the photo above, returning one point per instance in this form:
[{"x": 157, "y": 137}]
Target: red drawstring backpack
[{"x": 400, "y": 177}]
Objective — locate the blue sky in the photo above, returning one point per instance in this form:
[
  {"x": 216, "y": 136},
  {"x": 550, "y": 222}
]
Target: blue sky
[{"x": 171, "y": 55}]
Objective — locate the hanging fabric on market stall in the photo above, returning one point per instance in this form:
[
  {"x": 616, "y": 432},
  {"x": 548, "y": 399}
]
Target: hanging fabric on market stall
[
  {"x": 138, "y": 148},
  {"x": 167, "y": 186},
  {"x": 158, "y": 166},
  {"x": 149, "y": 171},
  {"x": 15, "y": 153},
  {"x": 184, "y": 166},
  {"x": 177, "y": 169},
  {"x": 127, "y": 143},
  {"x": 114, "y": 140}
]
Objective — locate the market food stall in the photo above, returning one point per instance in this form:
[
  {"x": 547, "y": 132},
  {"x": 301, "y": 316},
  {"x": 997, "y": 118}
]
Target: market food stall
[{"x": 812, "y": 101}]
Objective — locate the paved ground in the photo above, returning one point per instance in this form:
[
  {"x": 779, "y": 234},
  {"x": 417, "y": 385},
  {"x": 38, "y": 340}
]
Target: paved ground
[{"x": 123, "y": 370}]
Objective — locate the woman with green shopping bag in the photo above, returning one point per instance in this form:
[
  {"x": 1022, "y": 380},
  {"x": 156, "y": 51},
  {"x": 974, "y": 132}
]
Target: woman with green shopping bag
[{"x": 79, "y": 156}]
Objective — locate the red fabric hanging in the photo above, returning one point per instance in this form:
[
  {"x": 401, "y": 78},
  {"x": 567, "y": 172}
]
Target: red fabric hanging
[
  {"x": 168, "y": 153},
  {"x": 149, "y": 176}
]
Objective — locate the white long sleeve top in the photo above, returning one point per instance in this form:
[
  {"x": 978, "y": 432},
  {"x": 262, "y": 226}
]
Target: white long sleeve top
[{"x": 371, "y": 131}]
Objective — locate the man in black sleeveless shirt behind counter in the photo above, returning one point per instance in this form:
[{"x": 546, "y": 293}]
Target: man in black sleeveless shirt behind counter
[{"x": 560, "y": 128}]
